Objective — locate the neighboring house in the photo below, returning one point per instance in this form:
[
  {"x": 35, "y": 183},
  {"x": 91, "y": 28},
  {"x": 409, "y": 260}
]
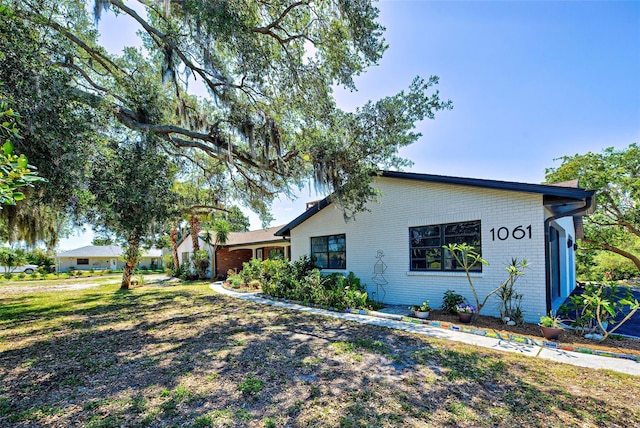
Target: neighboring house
[
  {"x": 396, "y": 247},
  {"x": 102, "y": 257},
  {"x": 240, "y": 247}
]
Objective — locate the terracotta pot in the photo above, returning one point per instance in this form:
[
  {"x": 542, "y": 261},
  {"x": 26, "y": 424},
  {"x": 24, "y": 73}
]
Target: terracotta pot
[
  {"x": 421, "y": 314},
  {"x": 550, "y": 333},
  {"x": 464, "y": 317}
]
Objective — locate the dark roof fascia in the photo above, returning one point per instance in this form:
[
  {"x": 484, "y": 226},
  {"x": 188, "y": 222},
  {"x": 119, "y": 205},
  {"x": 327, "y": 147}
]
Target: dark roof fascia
[
  {"x": 247, "y": 244},
  {"x": 543, "y": 189},
  {"x": 285, "y": 231},
  {"x": 571, "y": 193}
]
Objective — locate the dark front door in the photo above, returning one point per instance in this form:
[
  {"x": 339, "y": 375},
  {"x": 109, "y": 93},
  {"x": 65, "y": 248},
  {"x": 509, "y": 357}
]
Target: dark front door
[{"x": 554, "y": 262}]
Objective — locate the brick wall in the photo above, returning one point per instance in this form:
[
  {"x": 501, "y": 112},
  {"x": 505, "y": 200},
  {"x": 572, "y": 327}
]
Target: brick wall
[
  {"x": 226, "y": 260},
  {"x": 407, "y": 203}
]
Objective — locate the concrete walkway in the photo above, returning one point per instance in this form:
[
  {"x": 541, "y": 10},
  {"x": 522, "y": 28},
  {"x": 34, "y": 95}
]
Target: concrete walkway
[{"x": 575, "y": 358}]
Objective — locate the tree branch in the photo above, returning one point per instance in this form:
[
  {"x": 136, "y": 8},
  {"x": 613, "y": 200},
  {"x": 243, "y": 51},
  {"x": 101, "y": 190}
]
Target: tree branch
[{"x": 604, "y": 246}]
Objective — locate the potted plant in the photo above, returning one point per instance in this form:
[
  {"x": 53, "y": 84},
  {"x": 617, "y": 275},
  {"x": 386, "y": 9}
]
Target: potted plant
[
  {"x": 551, "y": 326},
  {"x": 465, "y": 312},
  {"x": 422, "y": 310}
]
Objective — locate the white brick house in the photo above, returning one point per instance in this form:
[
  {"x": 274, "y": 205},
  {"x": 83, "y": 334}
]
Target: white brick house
[{"x": 396, "y": 247}]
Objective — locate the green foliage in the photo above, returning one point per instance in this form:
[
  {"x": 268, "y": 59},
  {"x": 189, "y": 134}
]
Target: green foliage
[
  {"x": 450, "y": 301},
  {"x": 423, "y": 307},
  {"x": 608, "y": 266},
  {"x": 467, "y": 258},
  {"x": 11, "y": 258},
  {"x": 597, "y": 307},
  {"x": 269, "y": 119},
  {"x": 511, "y": 300},
  {"x": 15, "y": 171},
  {"x": 133, "y": 191},
  {"x": 300, "y": 280},
  {"x": 59, "y": 129},
  {"x": 251, "y": 385},
  {"x": 551, "y": 321},
  {"x": 235, "y": 280},
  {"x": 201, "y": 262},
  {"x": 615, "y": 175},
  {"x": 42, "y": 258}
]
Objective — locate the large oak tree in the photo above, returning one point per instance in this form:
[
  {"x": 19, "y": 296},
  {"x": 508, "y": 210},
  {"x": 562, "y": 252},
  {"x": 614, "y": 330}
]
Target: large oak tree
[
  {"x": 266, "y": 119},
  {"x": 269, "y": 117}
]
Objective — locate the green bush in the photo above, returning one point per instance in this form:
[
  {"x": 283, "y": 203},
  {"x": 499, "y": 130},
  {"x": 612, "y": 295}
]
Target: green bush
[
  {"x": 450, "y": 300},
  {"x": 300, "y": 280},
  {"x": 251, "y": 271},
  {"x": 201, "y": 262},
  {"x": 234, "y": 279}
]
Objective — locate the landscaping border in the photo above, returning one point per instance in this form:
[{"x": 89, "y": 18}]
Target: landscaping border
[{"x": 469, "y": 330}]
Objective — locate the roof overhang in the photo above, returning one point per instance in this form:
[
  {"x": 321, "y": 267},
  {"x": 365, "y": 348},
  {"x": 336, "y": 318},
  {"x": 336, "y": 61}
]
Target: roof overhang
[{"x": 557, "y": 198}]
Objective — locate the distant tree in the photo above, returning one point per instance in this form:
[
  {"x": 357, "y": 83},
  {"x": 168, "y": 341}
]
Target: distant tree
[
  {"x": 39, "y": 257},
  {"x": 615, "y": 174},
  {"x": 102, "y": 241},
  {"x": 10, "y": 259}
]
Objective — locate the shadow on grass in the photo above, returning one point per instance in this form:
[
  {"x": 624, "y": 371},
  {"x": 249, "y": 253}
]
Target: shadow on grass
[{"x": 160, "y": 357}]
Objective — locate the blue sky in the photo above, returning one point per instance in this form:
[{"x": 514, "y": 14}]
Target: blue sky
[{"x": 530, "y": 81}]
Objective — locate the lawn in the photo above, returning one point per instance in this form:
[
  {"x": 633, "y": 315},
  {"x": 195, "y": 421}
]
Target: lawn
[{"x": 180, "y": 355}]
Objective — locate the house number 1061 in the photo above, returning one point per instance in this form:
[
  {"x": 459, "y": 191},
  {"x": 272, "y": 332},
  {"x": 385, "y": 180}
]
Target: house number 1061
[{"x": 518, "y": 232}]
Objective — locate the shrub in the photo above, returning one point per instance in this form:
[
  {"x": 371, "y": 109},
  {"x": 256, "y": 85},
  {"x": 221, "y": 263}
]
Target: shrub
[
  {"x": 8, "y": 275},
  {"x": 254, "y": 284},
  {"x": 201, "y": 262},
  {"x": 251, "y": 271},
  {"x": 598, "y": 306},
  {"x": 234, "y": 280},
  {"x": 299, "y": 280},
  {"x": 450, "y": 301}
]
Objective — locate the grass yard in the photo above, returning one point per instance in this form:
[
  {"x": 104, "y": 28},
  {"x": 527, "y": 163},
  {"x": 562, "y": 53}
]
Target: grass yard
[{"x": 179, "y": 355}]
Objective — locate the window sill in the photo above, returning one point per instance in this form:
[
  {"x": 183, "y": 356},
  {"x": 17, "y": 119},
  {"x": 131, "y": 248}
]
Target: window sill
[{"x": 441, "y": 273}]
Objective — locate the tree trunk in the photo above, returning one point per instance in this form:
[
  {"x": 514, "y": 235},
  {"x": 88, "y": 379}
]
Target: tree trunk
[
  {"x": 132, "y": 256},
  {"x": 174, "y": 246},
  {"x": 194, "y": 226}
]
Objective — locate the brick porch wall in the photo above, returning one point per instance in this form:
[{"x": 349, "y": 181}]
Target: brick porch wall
[{"x": 226, "y": 260}]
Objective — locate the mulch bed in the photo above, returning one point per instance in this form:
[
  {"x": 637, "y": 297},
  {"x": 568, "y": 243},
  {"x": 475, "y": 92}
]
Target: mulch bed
[{"x": 614, "y": 344}]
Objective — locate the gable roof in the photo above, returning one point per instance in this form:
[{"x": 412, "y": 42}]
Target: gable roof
[
  {"x": 104, "y": 251},
  {"x": 254, "y": 237},
  {"x": 555, "y": 196}
]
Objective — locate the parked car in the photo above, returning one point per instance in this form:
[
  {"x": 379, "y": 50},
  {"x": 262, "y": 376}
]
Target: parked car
[{"x": 28, "y": 269}]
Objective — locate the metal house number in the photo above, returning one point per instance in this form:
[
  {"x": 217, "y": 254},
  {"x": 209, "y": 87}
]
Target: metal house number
[{"x": 518, "y": 232}]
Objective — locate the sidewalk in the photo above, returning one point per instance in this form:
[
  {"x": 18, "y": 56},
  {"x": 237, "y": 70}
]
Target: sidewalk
[{"x": 385, "y": 320}]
